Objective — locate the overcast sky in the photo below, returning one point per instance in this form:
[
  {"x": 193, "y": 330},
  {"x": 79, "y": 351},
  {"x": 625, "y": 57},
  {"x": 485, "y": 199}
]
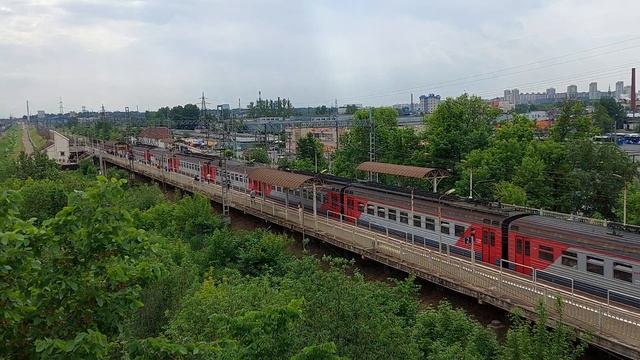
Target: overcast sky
[{"x": 151, "y": 53}]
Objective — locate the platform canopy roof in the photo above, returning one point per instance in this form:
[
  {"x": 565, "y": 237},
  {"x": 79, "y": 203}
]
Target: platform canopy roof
[
  {"x": 281, "y": 178},
  {"x": 433, "y": 175},
  {"x": 403, "y": 170}
]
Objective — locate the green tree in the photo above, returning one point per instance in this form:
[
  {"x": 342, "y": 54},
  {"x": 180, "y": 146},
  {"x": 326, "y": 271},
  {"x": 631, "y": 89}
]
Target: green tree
[
  {"x": 593, "y": 166},
  {"x": 572, "y": 123},
  {"x": 445, "y": 333},
  {"x": 259, "y": 155},
  {"x": 499, "y": 161},
  {"x": 310, "y": 151},
  {"x": 88, "y": 168},
  {"x": 322, "y": 110},
  {"x": 457, "y": 127},
  {"x": 351, "y": 109},
  {"x": 545, "y": 176},
  {"x": 615, "y": 111},
  {"x": 41, "y": 199},
  {"x": 509, "y": 193},
  {"x": 37, "y": 166},
  {"x": 92, "y": 263},
  {"x": 633, "y": 203},
  {"x": 602, "y": 120},
  {"x": 536, "y": 341}
]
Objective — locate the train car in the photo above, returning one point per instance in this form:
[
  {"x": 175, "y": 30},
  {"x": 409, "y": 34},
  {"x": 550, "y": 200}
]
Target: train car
[{"x": 589, "y": 258}]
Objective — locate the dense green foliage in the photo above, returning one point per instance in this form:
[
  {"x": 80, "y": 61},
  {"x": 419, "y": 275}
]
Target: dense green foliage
[
  {"x": 106, "y": 269},
  {"x": 259, "y": 155},
  {"x": 536, "y": 341},
  {"x": 457, "y": 127},
  {"x": 270, "y": 108},
  {"x": 10, "y": 148},
  {"x": 102, "y": 129},
  {"x": 309, "y": 154},
  {"x": 566, "y": 172}
]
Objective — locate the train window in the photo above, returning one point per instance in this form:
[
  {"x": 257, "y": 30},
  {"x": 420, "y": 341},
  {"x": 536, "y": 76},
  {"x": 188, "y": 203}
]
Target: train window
[
  {"x": 518, "y": 245},
  {"x": 492, "y": 239},
  {"x": 527, "y": 248},
  {"x": 622, "y": 272},
  {"x": 595, "y": 265},
  {"x": 371, "y": 210},
  {"x": 459, "y": 230},
  {"x": 361, "y": 207},
  {"x": 404, "y": 217},
  {"x": 444, "y": 227},
  {"x": 381, "y": 212},
  {"x": 430, "y": 224},
  {"x": 485, "y": 237},
  {"x": 570, "y": 259},
  {"x": 392, "y": 214},
  {"x": 545, "y": 253},
  {"x": 417, "y": 220}
]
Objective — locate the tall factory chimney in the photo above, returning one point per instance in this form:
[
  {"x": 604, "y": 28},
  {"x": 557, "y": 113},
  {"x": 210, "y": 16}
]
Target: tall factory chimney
[
  {"x": 634, "y": 94},
  {"x": 411, "y": 103}
]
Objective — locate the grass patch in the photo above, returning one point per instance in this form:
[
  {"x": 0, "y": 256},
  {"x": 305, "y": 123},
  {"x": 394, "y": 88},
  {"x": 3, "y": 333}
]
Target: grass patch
[{"x": 38, "y": 141}]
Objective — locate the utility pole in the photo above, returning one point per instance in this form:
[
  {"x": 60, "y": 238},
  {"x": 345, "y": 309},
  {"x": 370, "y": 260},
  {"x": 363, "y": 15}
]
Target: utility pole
[
  {"x": 372, "y": 143},
  {"x": 61, "y": 107},
  {"x": 203, "y": 116},
  {"x": 127, "y": 119},
  {"x": 225, "y": 181},
  {"x": 103, "y": 169}
]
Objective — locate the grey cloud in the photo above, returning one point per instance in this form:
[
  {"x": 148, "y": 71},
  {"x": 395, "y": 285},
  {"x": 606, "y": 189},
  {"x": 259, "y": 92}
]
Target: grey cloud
[{"x": 157, "y": 52}]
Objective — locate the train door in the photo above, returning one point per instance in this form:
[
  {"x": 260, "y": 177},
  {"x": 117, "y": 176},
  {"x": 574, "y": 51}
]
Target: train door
[
  {"x": 489, "y": 250},
  {"x": 523, "y": 255}
]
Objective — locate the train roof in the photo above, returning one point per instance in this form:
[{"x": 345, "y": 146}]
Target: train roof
[
  {"x": 472, "y": 213},
  {"x": 619, "y": 242}
]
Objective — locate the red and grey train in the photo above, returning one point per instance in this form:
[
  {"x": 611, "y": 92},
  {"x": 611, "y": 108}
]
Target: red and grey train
[{"x": 592, "y": 259}]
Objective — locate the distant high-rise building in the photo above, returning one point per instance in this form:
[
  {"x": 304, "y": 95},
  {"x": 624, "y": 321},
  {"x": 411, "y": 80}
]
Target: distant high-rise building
[
  {"x": 551, "y": 93},
  {"x": 428, "y": 104},
  {"x": 593, "y": 91},
  {"x": 507, "y": 96},
  {"x": 619, "y": 89},
  {"x": 572, "y": 91},
  {"x": 515, "y": 94}
]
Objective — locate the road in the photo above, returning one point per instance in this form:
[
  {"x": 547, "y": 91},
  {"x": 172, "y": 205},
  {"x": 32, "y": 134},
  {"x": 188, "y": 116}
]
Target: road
[{"x": 28, "y": 147}]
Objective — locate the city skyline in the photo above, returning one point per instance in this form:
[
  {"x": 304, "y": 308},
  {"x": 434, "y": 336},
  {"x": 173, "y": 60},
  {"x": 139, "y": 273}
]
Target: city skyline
[{"x": 151, "y": 54}]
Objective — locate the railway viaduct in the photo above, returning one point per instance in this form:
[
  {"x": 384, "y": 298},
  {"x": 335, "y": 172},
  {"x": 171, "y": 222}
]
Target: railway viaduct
[{"x": 613, "y": 328}]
